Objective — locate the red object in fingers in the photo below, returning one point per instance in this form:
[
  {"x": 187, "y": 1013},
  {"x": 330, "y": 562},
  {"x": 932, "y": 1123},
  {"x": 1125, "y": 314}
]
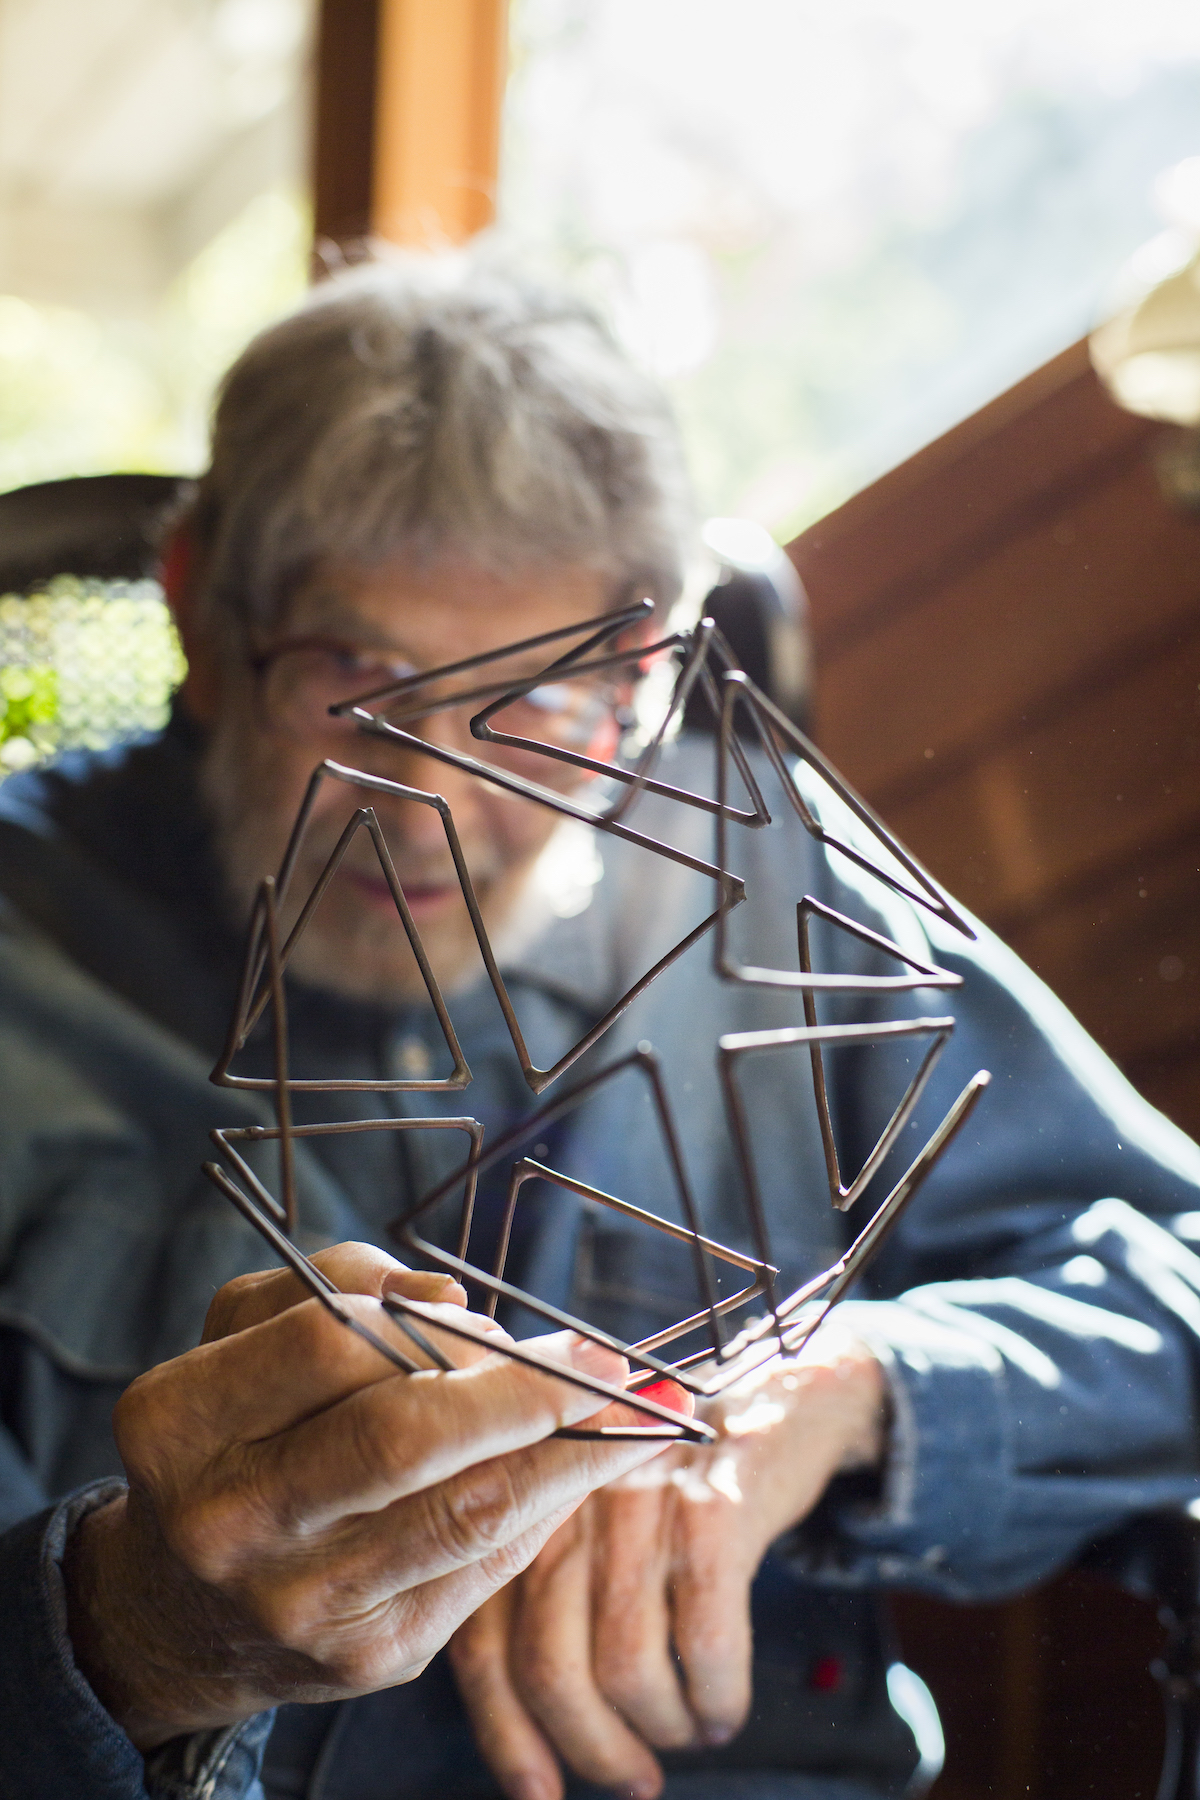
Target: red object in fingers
[{"x": 668, "y": 1393}]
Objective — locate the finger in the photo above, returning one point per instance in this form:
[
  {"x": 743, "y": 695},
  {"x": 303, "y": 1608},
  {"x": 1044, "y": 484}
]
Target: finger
[
  {"x": 669, "y": 1393},
  {"x": 353, "y": 1268},
  {"x": 662, "y": 1393},
  {"x": 551, "y": 1663},
  {"x": 262, "y": 1379},
  {"x": 404, "y": 1434},
  {"x": 482, "y": 1510},
  {"x": 424, "y": 1284},
  {"x": 395, "y": 1586},
  {"x": 635, "y": 1670},
  {"x": 418, "y": 1622},
  {"x": 509, "y": 1741},
  {"x": 253, "y": 1387},
  {"x": 711, "y": 1616},
  {"x": 457, "y": 1339}
]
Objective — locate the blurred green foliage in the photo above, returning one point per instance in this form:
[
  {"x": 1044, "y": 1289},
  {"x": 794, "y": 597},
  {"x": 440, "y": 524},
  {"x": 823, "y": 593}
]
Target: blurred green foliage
[
  {"x": 28, "y": 702},
  {"x": 83, "y": 663}
]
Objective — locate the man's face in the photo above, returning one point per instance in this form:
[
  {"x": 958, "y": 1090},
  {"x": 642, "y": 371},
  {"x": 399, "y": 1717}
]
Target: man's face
[{"x": 270, "y": 729}]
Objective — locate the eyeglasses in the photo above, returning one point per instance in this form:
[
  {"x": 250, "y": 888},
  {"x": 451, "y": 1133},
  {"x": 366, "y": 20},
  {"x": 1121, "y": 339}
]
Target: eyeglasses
[{"x": 303, "y": 683}]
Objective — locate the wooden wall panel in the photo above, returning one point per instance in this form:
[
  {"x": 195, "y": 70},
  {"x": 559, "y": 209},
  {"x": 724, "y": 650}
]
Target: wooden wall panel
[
  {"x": 1046, "y": 1698},
  {"x": 1114, "y": 574},
  {"x": 1007, "y": 638},
  {"x": 1130, "y": 953},
  {"x": 1091, "y": 790},
  {"x": 1020, "y": 459}
]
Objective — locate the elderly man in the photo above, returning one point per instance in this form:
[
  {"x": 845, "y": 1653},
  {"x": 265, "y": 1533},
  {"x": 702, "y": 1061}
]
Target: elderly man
[{"x": 425, "y": 461}]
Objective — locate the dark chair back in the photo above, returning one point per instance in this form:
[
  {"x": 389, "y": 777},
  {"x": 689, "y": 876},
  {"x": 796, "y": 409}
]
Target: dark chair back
[{"x": 106, "y": 526}]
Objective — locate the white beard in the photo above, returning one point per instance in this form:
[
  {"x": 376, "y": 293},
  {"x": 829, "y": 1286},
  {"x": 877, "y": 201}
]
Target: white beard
[{"x": 357, "y": 950}]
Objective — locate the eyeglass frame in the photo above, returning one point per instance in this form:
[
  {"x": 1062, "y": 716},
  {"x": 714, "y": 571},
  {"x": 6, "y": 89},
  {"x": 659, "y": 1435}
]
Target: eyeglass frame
[{"x": 339, "y": 714}]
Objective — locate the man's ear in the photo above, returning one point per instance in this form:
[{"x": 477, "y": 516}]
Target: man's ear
[{"x": 178, "y": 573}]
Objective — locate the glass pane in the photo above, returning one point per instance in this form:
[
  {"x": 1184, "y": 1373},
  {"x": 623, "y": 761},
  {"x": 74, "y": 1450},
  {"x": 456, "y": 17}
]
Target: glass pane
[
  {"x": 836, "y": 230},
  {"x": 153, "y": 214}
]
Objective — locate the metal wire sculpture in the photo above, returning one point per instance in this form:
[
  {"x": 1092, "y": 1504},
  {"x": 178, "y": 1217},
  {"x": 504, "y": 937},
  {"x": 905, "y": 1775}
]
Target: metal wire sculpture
[{"x": 600, "y": 647}]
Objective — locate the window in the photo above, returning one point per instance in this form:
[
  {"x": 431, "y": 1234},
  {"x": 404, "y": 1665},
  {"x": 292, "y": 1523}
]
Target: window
[{"x": 837, "y": 230}]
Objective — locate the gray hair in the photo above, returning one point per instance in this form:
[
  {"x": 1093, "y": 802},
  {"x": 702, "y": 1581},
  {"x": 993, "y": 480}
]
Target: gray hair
[{"x": 432, "y": 406}]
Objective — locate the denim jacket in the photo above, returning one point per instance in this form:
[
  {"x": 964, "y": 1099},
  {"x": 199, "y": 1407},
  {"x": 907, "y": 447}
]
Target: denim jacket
[{"x": 1037, "y": 1313}]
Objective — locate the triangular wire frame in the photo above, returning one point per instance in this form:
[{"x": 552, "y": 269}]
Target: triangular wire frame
[
  {"x": 644, "y": 1059},
  {"x": 702, "y": 646},
  {"x": 696, "y": 647},
  {"x": 226, "y": 1138},
  {"x": 418, "y": 1320},
  {"x": 735, "y": 1045},
  {"x": 253, "y": 998},
  {"x": 284, "y": 1212},
  {"x": 528, "y": 1169},
  {"x": 776, "y": 733},
  {"x": 276, "y": 1220},
  {"x": 281, "y": 1085},
  {"x": 797, "y": 1317},
  {"x": 789, "y": 1326},
  {"x": 788, "y": 1323},
  {"x": 926, "y": 975},
  {"x": 255, "y": 993},
  {"x": 809, "y": 982},
  {"x": 603, "y": 626}
]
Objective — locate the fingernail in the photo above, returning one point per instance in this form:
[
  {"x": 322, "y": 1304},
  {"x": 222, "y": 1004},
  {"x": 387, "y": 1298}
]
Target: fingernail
[
  {"x": 644, "y": 1790},
  {"x": 431, "y": 1286},
  {"x": 717, "y": 1734},
  {"x": 531, "y": 1787}
]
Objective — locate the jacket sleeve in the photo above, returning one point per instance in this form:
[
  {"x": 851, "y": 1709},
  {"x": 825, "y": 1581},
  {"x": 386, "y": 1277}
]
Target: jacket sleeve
[
  {"x": 1038, "y": 1309},
  {"x": 56, "y": 1740},
  {"x": 82, "y": 1184}
]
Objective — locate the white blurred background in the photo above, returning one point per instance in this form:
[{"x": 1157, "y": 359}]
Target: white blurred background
[
  {"x": 837, "y": 230},
  {"x": 834, "y": 231}
]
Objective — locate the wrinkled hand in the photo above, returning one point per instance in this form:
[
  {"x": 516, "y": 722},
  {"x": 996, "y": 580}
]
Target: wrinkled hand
[
  {"x": 631, "y": 1628},
  {"x": 304, "y": 1522}
]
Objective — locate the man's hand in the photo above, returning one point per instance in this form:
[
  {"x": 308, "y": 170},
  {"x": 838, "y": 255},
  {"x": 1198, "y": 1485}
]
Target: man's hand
[
  {"x": 631, "y": 1628},
  {"x": 303, "y": 1522}
]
